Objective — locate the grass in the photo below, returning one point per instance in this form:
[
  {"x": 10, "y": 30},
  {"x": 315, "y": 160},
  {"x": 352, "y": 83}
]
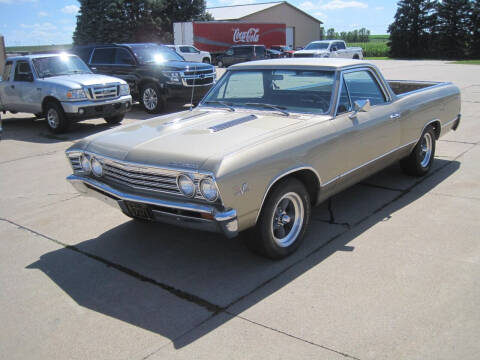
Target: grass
[
  {"x": 467, "y": 62},
  {"x": 373, "y": 49},
  {"x": 38, "y": 48},
  {"x": 378, "y": 58}
]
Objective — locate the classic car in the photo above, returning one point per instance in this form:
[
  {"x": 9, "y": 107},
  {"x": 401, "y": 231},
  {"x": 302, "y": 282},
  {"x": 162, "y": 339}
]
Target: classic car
[{"x": 270, "y": 140}]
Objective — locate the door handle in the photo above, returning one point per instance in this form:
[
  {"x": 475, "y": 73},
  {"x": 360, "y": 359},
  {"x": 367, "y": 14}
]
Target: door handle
[{"x": 395, "y": 116}]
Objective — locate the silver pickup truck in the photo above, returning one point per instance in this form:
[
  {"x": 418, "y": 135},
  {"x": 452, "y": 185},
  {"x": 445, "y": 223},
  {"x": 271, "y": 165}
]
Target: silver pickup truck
[
  {"x": 61, "y": 88},
  {"x": 269, "y": 141}
]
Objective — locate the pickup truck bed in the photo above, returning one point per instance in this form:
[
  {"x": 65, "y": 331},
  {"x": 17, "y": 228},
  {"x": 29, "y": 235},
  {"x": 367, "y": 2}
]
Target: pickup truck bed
[{"x": 402, "y": 87}]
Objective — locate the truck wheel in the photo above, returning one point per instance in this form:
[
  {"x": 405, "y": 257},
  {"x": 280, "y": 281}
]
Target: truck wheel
[
  {"x": 220, "y": 63},
  {"x": 206, "y": 60},
  {"x": 356, "y": 57},
  {"x": 57, "y": 122},
  {"x": 115, "y": 119},
  {"x": 152, "y": 98},
  {"x": 420, "y": 160},
  {"x": 283, "y": 221}
]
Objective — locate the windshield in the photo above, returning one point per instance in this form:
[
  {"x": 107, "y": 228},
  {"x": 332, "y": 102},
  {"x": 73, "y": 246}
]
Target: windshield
[
  {"x": 60, "y": 65},
  {"x": 303, "y": 91},
  {"x": 317, "y": 46},
  {"x": 151, "y": 53}
]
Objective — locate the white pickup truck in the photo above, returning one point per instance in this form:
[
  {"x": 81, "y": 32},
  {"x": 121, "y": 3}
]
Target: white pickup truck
[
  {"x": 191, "y": 53},
  {"x": 330, "y": 49}
]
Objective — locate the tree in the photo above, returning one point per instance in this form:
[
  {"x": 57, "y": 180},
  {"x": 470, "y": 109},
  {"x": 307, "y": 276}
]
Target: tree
[
  {"x": 134, "y": 20},
  {"x": 331, "y": 34},
  {"x": 474, "y": 27},
  {"x": 411, "y": 31},
  {"x": 452, "y": 30}
]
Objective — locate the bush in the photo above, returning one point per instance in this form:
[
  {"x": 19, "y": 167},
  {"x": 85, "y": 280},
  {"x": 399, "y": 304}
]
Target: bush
[{"x": 373, "y": 48}]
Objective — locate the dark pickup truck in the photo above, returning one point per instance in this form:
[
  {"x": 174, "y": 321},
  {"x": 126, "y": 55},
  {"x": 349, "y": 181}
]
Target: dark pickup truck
[{"x": 154, "y": 72}]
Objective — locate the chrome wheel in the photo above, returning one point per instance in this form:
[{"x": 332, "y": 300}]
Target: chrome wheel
[
  {"x": 287, "y": 220},
  {"x": 150, "y": 98},
  {"x": 53, "y": 118},
  {"x": 426, "y": 149}
]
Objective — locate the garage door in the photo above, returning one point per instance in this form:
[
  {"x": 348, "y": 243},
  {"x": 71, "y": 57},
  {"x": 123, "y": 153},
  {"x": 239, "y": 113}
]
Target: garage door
[{"x": 290, "y": 32}]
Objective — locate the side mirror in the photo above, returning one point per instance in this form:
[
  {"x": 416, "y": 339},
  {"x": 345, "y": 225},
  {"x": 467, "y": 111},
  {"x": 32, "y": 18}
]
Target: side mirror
[
  {"x": 334, "y": 48},
  {"x": 360, "y": 106}
]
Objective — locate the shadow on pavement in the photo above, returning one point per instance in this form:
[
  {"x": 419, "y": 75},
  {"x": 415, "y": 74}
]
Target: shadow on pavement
[{"x": 207, "y": 269}]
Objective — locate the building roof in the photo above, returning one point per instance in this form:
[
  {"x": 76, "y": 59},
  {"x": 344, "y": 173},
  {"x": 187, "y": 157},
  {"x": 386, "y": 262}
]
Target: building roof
[
  {"x": 237, "y": 12},
  {"x": 321, "y": 63}
]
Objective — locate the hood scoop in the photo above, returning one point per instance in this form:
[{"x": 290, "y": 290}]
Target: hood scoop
[
  {"x": 232, "y": 123},
  {"x": 185, "y": 118}
]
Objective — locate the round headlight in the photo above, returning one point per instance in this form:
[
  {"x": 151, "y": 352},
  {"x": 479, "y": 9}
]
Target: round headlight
[
  {"x": 186, "y": 185},
  {"x": 86, "y": 165},
  {"x": 209, "y": 189},
  {"x": 97, "y": 168}
]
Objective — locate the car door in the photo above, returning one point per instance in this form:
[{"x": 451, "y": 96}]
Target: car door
[
  {"x": 102, "y": 60},
  {"x": 365, "y": 136},
  {"x": 7, "y": 92},
  {"x": 27, "y": 92},
  {"x": 124, "y": 66},
  {"x": 342, "y": 50}
]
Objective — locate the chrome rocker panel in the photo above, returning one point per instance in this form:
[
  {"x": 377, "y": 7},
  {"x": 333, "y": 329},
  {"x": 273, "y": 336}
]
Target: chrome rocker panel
[{"x": 221, "y": 222}]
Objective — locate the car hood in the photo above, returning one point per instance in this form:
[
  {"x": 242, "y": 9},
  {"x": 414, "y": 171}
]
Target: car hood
[
  {"x": 188, "y": 139},
  {"x": 81, "y": 80}
]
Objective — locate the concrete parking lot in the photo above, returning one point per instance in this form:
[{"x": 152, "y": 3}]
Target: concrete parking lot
[{"x": 389, "y": 269}]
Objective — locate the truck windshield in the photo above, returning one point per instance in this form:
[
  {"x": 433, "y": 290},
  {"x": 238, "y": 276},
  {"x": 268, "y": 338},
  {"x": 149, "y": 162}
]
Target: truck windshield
[
  {"x": 60, "y": 65},
  {"x": 317, "y": 46},
  {"x": 151, "y": 53},
  {"x": 302, "y": 91}
]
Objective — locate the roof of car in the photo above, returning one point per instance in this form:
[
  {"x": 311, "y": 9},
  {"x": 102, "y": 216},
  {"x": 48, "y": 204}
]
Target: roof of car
[
  {"x": 334, "y": 64},
  {"x": 35, "y": 56}
]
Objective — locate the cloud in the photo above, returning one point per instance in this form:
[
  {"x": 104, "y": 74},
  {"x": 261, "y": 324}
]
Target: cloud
[
  {"x": 70, "y": 9},
  {"x": 321, "y": 16},
  {"x": 308, "y": 5},
  {"x": 379, "y": 8},
  {"x": 40, "y": 33},
  {"x": 236, "y": 2},
  {"x": 42, "y": 14},
  {"x": 340, "y": 4},
  {"x": 16, "y": 1}
]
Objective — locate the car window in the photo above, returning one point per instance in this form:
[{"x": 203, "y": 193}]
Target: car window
[
  {"x": 185, "y": 49},
  {"x": 344, "y": 104},
  {"x": 103, "y": 56},
  {"x": 123, "y": 57},
  {"x": 362, "y": 85},
  {"x": 241, "y": 85},
  {"x": 22, "y": 71},
  {"x": 260, "y": 50},
  {"x": 7, "y": 71}
]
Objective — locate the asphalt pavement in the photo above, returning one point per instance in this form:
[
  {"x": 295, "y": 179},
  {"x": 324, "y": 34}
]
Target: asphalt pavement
[{"x": 389, "y": 268}]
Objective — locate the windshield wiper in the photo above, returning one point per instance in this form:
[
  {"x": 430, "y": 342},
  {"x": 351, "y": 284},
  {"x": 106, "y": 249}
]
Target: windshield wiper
[
  {"x": 270, "y": 106},
  {"x": 224, "y": 104}
]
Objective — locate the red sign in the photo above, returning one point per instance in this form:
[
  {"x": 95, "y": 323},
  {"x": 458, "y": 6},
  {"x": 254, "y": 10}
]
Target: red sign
[{"x": 219, "y": 36}]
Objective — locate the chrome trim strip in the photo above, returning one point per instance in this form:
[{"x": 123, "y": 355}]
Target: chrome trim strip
[
  {"x": 231, "y": 123},
  {"x": 140, "y": 199},
  {"x": 282, "y": 175},
  {"x": 367, "y": 163}
]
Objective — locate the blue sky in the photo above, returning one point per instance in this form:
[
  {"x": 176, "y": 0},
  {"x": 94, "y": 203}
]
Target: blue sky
[{"x": 40, "y": 22}]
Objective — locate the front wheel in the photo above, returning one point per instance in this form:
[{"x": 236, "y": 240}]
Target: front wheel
[
  {"x": 283, "y": 221},
  {"x": 112, "y": 120},
  {"x": 152, "y": 99},
  {"x": 57, "y": 122},
  {"x": 420, "y": 160},
  {"x": 206, "y": 60}
]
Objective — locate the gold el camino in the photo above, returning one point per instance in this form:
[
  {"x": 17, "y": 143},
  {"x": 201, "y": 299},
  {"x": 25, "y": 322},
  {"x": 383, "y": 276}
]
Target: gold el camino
[{"x": 270, "y": 140}]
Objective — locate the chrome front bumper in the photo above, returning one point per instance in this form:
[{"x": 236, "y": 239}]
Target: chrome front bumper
[
  {"x": 189, "y": 215},
  {"x": 74, "y": 106}
]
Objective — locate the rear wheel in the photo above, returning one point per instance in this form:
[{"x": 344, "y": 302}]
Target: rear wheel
[
  {"x": 420, "y": 160},
  {"x": 112, "y": 120},
  {"x": 152, "y": 99},
  {"x": 356, "y": 57},
  {"x": 57, "y": 122},
  {"x": 282, "y": 222}
]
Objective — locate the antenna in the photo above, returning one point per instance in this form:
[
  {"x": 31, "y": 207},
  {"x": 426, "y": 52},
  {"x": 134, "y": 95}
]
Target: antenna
[{"x": 193, "y": 87}]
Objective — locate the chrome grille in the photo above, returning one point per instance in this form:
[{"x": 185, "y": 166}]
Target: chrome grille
[
  {"x": 103, "y": 92},
  {"x": 302, "y": 55},
  {"x": 75, "y": 162},
  {"x": 200, "y": 77}
]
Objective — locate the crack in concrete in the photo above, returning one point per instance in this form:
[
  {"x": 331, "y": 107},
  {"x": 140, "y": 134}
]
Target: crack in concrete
[
  {"x": 379, "y": 186},
  {"x": 460, "y": 142},
  {"x": 29, "y": 157}
]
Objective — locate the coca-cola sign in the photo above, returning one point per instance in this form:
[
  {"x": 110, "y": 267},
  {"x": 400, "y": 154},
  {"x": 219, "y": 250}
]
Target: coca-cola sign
[{"x": 249, "y": 36}]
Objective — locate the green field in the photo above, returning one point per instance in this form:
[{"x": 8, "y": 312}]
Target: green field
[
  {"x": 38, "y": 48},
  {"x": 373, "y": 48},
  {"x": 468, "y": 62}
]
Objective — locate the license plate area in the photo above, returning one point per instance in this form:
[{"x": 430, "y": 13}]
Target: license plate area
[{"x": 138, "y": 210}]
